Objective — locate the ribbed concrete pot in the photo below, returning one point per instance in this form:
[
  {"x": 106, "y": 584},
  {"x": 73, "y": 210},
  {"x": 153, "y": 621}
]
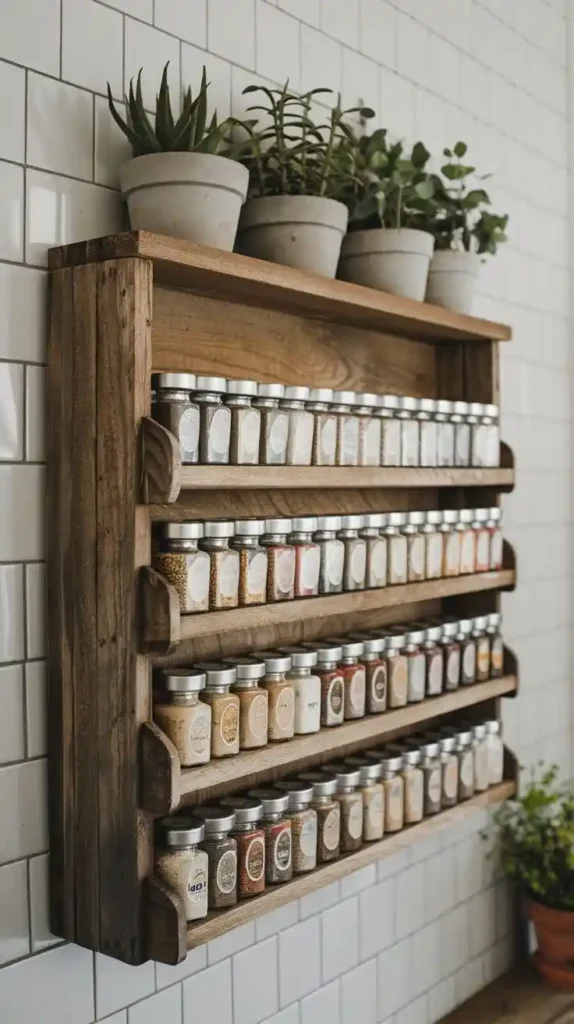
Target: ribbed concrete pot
[
  {"x": 452, "y": 279},
  {"x": 394, "y": 260},
  {"x": 297, "y": 231}
]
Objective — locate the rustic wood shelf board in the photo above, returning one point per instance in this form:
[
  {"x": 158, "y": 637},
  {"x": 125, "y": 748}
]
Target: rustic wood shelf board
[
  {"x": 519, "y": 997},
  {"x": 296, "y": 477}
]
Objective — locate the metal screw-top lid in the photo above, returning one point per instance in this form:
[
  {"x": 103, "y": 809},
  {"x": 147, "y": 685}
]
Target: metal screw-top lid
[
  {"x": 465, "y": 625},
  {"x": 370, "y": 768},
  {"x": 247, "y": 809},
  {"x": 183, "y": 531},
  {"x": 476, "y": 409},
  {"x": 304, "y": 524},
  {"x": 433, "y": 633},
  {"x": 416, "y": 518},
  {"x": 479, "y": 731},
  {"x": 450, "y": 516},
  {"x": 371, "y": 644},
  {"x": 449, "y": 630},
  {"x": 278, "y": 526},
  {"x": 321, "y": 395},
  {"x": 407, "y": 404},
  {"x": 215, "y": 819},
  {"x": 367, "y": 398},
  {"x": 389, "y": 402},
  {"x": 324, "y": 783},
  {"x": 180, "y": 832},
  {"x": 491, "y": 410},
  {"x": 415, "y": 636},
  {"x": 493, "y": 726},
  {"x": 430, "y": 749},
  {"x": 329, "y": 524},
  {"x": 247, "y": 669},
  {"x": 460, "y": 408},
  {"x": 463, "y": 738},
  {"x": 295, "y": 393},
  {"x": 353, "y": 522},
  {"x": 346, "y": 774},
  {"x": 241, "y": 387},
  {"x": 494, "y": 620},
  {"x": 495, "y": 513},
  {"x": 426, "y": 405},
  {"x": 300, "y": 793},
  {"x": 447, "y": 744},
  {"x": 433, "y": 517},
  {"x": 249, "y": 527},
  {"x": 480, "y": 515},
  {"x": 218, "y": 528},
  {"x": 392, "y": 764},
  {"x": 396, "y": 519},
  {"x": 411, "y": 756},
  {"x": 326, "y": 652},
  {"x": 211, "y": 384},
  {"x": 444, "y": 406},
  {"x": 276, "y": 662},
  {"x": 182, "y": 680},
  {"x": 395, "y": 641},
  {"x": 270, "y": 390},
  {"x": 374, "y": 520},
  {"x": 344, "y": 398},
  {"x": 465, "y": 515},
  {"x": 272, "y": 800},
  {"x": 217, "y": 673},
  {"x": 173, "y": 381},
  {"x": 479, "y": 623},
  {"x": 300, "y": 657},
  {"x": 350, "y": 648}
]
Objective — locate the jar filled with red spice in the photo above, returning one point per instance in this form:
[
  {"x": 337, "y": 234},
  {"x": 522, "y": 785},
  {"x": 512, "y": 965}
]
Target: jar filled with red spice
[
  {"x": 332, "y": 682},
  {"x": 495, "y": 533},
  {"x": 354, "y": 676},
  {"x": 355, "y": 563},
  {"x": 250, "y": 839},
  {"x": 332, "y": 551},
  {"x": 496, "y": 645},
  {"x": 373, "y": 523},
  {"x": 451, "y": 654},
  {"x": 307, "y": 556},
  {"x": 277, "y": 828},
  {"x": 280, "y": 560},
  {"x": 375, "y": 665},
  {"x": 434, "y": 656},
  {"x": 482, "y": 539}
]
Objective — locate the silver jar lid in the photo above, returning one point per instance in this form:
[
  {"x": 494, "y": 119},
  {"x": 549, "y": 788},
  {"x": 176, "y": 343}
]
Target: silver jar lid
[
  {"x": 495, "y": 514},
  {"x": 395, "y": 641},
  {"x": 374, "y": 520},
  {"x": 427, "y": 405},
  {"x": 218, "y": 528},
  {"x": 460, "y": 408},
  {"x": 463, "y": 737},
  {"x": 217, "y": 674},
  {"x": 493, "y": 726},
  {"x": 276, "y": 662},
  {"x": 249, "y": 527},
  {"x": 479, "y": 623},
  {"x": 480, "y": 515},
  {"x": 476, "y": 409},
  {"x": 433, "y": 633},
  {"x": 304, "y": 524},
  {"x": 180, "y": 832},
  {"x": 367, "y": 398},
  {"x": 415, "y": 636},
  {"x": 479, "y": 731},
  {"x": 215, "y": 819},
  {"x": 272, "y": 800},
  {"x": 447, "y": 744},
  {"x": 444, "y": 406},
  {"x": 324, "y": 783},
  {"x": 371, "y": 644},
  {"x": 449, "y": 629},
  {"x": 407, "y": 403},
  {"x": 328, "y": 524},
  {"x": 433, "y": 517},
  {"x": 270, "y": 390},
  {"x": 392, "y": 764},
  {"x": 173, "y": 381},
  {"x": 396, "y": 519},
  {"x": 430, "y": 749},
  {"x": 350, "y": 648},
  {"x": 465, "y": 625},
  {"x": 494, "y": 620},
  {"x": 300, "y": 657},
  {"x": 491, "y": 410},
  {"x": 247, "y": 809},
  {"x": 182, "y": 680},
  {"x": 465, "y": 515},
  {"x": 450, "y": 516},
  {"x": 389, "y": 402},
  {"x": 279, "y": 526},
  {"x": 300, "y": 793},
  {"x": 241, "y": 387},
  {"x": 218, "y": 384},
  {"x": 247, "y": 669},
  {"x": 321, "y": 395},
  {"x": 345, "y": 774},
  {"x": 353, "y": 522},
  {"x": 370, "y": 768},
  {"x": 344, "y": 398},
  {"x": 296, "y": 393},
  {"x": 412, "y": 755},
  {"x": 326, "y": 652},
  {"x": 416, "y": 518},
  {"x": 183, "y": 531}
]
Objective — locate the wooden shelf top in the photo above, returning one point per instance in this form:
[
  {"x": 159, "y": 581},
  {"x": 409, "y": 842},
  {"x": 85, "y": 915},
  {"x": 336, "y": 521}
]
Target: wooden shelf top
[
  {"x": 300, "y": 477},
  {"x": 183, "y": 265}
]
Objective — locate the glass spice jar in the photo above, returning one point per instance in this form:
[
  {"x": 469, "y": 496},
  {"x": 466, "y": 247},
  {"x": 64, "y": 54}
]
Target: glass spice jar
[
  {"x": 467, "y": 541},
  {"x": 397, "y": 562},
  {"x": 324, "y": 428},
  {"x": 369, "y": 430},
  {"x": 467, "y": 652},
  {"x": 303, "y": 824},
  {"x": 415, "y": 546},
  {"x": 347, "y": 451},
  {"x": 355, "y": 560},
  {"x": 481, "y": 758},
  {"x": 478, "y": 435},
  {"x": 307, "y": 689},
  {"x": 434, "y": 657},
  {"x": 433, "y": 540},
  {"x": 465, "y": 757},
  {"x": 495, "y": 533},
  {"x": 214, "y": 420},
  {"x": 445, "y": 432},
  {"x": 373, "y": 792},
  {"x": 496, "y": 645},
  {"x": 481, "y": 539},
  {"x": 354, "y": 676},
  {"x": 449, "y": 771},
  {"x": 274, "y": 424},
  {"x": 307, "y": 556},
  {"x": 451, "y": 655},
  {"x": 350, "y": 800},
  {"x": 428, "y": 428},
  {"x": 252, "y": 561},
  {"x": 223, "y": 564},
  {"x": 181, "y": 563},
  {"x": 328, "y": 813},
  {"x": 394, "y": 787},
  {"x": 461, "y": 434},
  {"x": 224, "y": 707},
  {"x": 332, "y": 552},
  {"x": 375, "y": 671},
  {"x": 416, "y": 665},
  {"x": 376, "y": 575},
  {"x": 177, "y": 412},
  {"x": 451, "y": 543},
  {"x": 495, "y": 748},
  {"x": 278, "y": 837},
  {"x": 281, "y": 695},
  {"x": 432, "y": 771},
  {"x": 397, "y": 670},
  {"x": 301, "y": 425},
  {"x": 410, "y": 433},
  {"x": 250, "y": 839},
  {"x": 387, "y": 410},
  {"x": 413, "y": 780},
  {"x": 182, "y": 864},
  {"x": 221, "y": 850},
  {"x": 491, "y": 425},
  {"x": 245, "y": 423},
  {"x": 253, "y": 702},
  {"x": 184, "y": 719},
  {"x": 482, "y": 644},
  {"x": 332, "y": 683},
  {"x": 280, "y": 560}
]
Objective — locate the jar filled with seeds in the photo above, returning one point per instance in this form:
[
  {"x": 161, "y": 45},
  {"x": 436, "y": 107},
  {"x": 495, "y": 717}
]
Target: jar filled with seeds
[
  {"x": 410, "y": 433},
  {"x": 307, "y": 689},
  {"x": 428, "y": 428},
  {"x": 416, "y": 665},
  {"x": 281, "y": 695},
  {"x": 307, "y": 556},
  {"x": 332, "y": 554},
  {"x": 332, "y": 683},
  {"x": 252, "y": 561},
  {"x": 175, "y": 409},
  {"x": 415, "y": 546},
  {"x": 478, "y": 435},
  {"x": 245, "y": 423},
  {"x": 481, "y": 539},
  {"x": 467, "y": 652},
  {"x": 413, "y": 779},
  {"x": 253, "y": 702},
  {"x": 450, "y": 542},
  {"x": 224, "y": 707},
  {"x": 223, "y": 564},
  {"x": 495, "y": 533},
  {"x": 328, "y": 813},
  {"x": 347, "y": 451},
  {"x": 465, "y": 757},
  {"x": 182, "y": 864},
  {"x": 482, "y": 643},
  {"x": 274, "y": 424},
  {"x": 461, "y": 434},
  {"x": 467, "y": 541},
  {"x": 394, "y": 787},
  {"x": 278, "y": 838},
  {"x": 432, "y": 771},
  {"x": 491, "y": 425},
  {"x": 449, "y": 765},
  {"x": 433, "y": 540},
  {"x": 350, "y": 800},
  {"x": 250, "y": 839},
  {"x": 301, "y": 425},
  {"x": 221, "y": 850},
  {"x": 397, "y": 562},
  {"x": 280, "y": 560},
  {"x": 451, "y": 654},
  {"x": 324, "y": 428},
  {"x": 369, "y": 430},
  {"x": 376, "y": 542},
  {"x": 354, "y": 677},
  {"x": 185, "y": 719},
  {"x": 496, "y": 645},
  {"x": 371, "y": 787},
  {"x": 397, "y": 670},
  {"x": 373, "y": 659},
  {"x": 445, "y": 432},
  {"x": 303, "y": 824},
  {"x": 355, "y": 560},
  {"x": 481, "y": 758},
  {"x": 495, "y": 748},
  {"x": 214, "y": 420},
  {"x": 387, "y": 410},
  {"x": 434, "y": 657},
  {"x": 184, "y": 565}
]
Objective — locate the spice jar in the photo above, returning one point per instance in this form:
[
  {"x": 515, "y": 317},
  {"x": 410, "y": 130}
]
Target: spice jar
[
  {"x": 450, "y": 542},
  {"x": 473, "y": 412},
  {"x": 433, "y": 541},
  {"x": 387, "y": 410},
  {"x": 350, "y": 800},
  {"x": 375, "y": 671},
  {"x": 481, "y": 758},
  {"x": 328, "y": 813},
  {"x": 495, "y": 533},
  {"x": 491, "y": 426},
  {"x": 496, "y": 645},
  {"x": 303, "y": 824},
  {"x": 465, "y": 757},
  {"x": 183, "y": 717},
  {"x": 479, "y": 434},
  {"x": 481, "y": 539},
  {"x": 354, "y": 677},
  {"x": 281, "y": 695},
  {"x": 347, "y": 452},
  {"x": 467, "y": 541},
  {"x": 252, "y": 561},
  {"x": 324, "y": 428},
  {"x": 434, "y": 657},
  {"x": 278, "y": 838},
  {"x": 410, "y": 443},
  {"x": 355, "y": 559},
  {"x": 397, "y": 563},
  {"x": 332, "y": 683},
  {"x": 373, "y": 523},
  {"x": 307, "y": 556},
  {"x": 373, "y": 793},
  {"x": 223, "y": 564},
  {"x": 415, "y": 546},
  {"x": 221, "y": 850},
  {"x": 451, "y": 655},
  {"x": 445, "y": 432},
  {"x": 280, "y": 560},
  {"x": 214, "y": 420},
  {"x": 253, "y": 702},
  {"x": 413, "y": 780},
  {"x": 495, "y": 748},
  {"x": 250, "y": 839},
  {"x": 369, "y": 430},
  {"x": 181, "y": 863},
  {"x": 432, "y": 771},
  {"x": 416, "y": 665},
  {"x": 394, "y": 787},
  {"x": 224, "y": 707},
  {"x": 461, "y": 434},
  {"x": 301, "y": 424},
  {"x": 482, "y": 644},
  {"x": 307, "y": 689},
  {"x": 177, "y": 412},
  {"x": 183, "y": 565},
  {"x": 245, "y": 423},
  {"x": 428, "y": 428},
  {"x": 332, "y": 554},
  {"x": 449, "y": 766},
  {"x": 467, "y": 652},
  {"x": 274, "y": 425},
  {"x": 397, "y": 670}
]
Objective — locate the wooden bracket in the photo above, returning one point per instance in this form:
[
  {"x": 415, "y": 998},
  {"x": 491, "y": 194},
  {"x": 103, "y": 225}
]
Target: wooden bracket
[
  {"x": 509, "y": 562},
  {"x": 507, "y": 461},
  {"x": 165, "y": 924},
  {"x": 161, "y": 464},
  {"x": 511, "y": 669},
  {"x": 160, "y": 613},
  {"x": 160, "y": 771}
]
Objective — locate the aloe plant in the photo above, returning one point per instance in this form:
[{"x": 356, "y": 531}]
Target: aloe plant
[{"x": 191, "y": 132}]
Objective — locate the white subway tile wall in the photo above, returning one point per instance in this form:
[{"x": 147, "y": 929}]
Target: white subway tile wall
[{"x": 405, "y": 943}]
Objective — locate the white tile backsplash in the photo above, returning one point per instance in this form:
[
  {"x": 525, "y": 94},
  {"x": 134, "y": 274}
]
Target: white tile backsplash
[
  {"x": 42, "y": 937},
  {"x": 35, "y": 413},
  {"x": 92, "y": 47},
  {"x": 35, "y": 610},
  {"x": 55, "y": 987},
  {"x": 11, "y": 412},
  {"x": 119, "y": 984},
  {"x": 299, "y": 960},
  {"x": 30, "y": 34},
  {"x": 11, "y": 211},
  {"x": 359, "y": 995},
  {"x": 12, "y": 115},
  {"x": 23, "y": 799},
  {"x": 340, "y": 938},
  {"x": 165, "y": 1006},
  {"x": 11, "y": 612},
  {"x": 277, "y": 44},
  {"x": 21, "y": 512},
  {"x": 255, "y": 988},
  {"x": 195, "y": 961},
  {"x": 12, "y": 745},
  {"x": 14, "y": 929},
  {"x": 36, "y": 709},
  {"x": 323, "y": 1006},
  {"x": 208, "y": 995},
  {"x": 60, "y": 131},
  {"x": 188, "y": 21},
  {"x": 61, "y": 210},
  {"x": 150, "y": 49},
  {"x": 232, "y": 38}
]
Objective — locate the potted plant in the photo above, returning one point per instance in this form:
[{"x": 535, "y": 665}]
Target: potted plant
[
  {"x": 388, "y": 198},
  {"x": 294, "y": 214},
  {"x": 181, "y": 180},
  {"x": 534, "y": 840},
  {"x": 464, "y": 230}
]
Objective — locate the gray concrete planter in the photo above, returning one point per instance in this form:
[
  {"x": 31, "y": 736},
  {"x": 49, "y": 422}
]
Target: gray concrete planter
[
  {"x": 394, "y": 260},
  {"x": 297, "y": 231}
]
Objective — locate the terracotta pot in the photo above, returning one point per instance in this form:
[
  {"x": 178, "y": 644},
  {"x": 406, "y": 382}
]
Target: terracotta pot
[{"x": 554, "y": 958}]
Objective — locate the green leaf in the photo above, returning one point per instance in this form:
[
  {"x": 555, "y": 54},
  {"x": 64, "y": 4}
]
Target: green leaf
[
  {"x": 419, "y": 155},
  {"x": 460, "y": 149},
  {"x": 163, "y": 113},
  {"x": 201, "y": 110},
  {"x": 135, "y": 139}
]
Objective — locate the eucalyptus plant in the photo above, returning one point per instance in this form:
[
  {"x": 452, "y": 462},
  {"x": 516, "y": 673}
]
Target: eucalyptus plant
[{"x": 461, "y": 218}]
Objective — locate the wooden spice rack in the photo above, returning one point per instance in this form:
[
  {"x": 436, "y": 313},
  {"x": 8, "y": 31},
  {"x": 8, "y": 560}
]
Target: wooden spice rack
[{"x": 122, "y": 307}]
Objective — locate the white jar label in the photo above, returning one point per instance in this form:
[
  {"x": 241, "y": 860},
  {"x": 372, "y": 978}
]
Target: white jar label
[
  {"x": 197, "y": 579},
  {"x": 302, "y": 438},
  {"x": 428, "y": 443},
  {"x": 282, "y": 850},
  {"x": 229, "y": 574},
  {"x": 398, "y": 559},
  {"x": 482, "y": 551},
  {"x": 496, "y": 549},
  {"x": 257, "y": 574},
  {"x": 462, "y": 444},
  {"x": 434, "y": 683},
  {"x": 374, "y": 811},
  {"x": 329, "y": 437},
  {"x": 446, "y": 444},
  {"x": 189, "y": 431},
  {"x": 219, "y": 432},
  {"x": 355, "y": 819},
  {"x": 378, "y": 563},
  {"x": 197, "y": 884},
  {"x": 258, "y": 717},
  {"x": 335, "y": 700},
  {"x": 495, "y": 760},
  {"x": 398, "y": 678},
  {"x": 227, "y": 872},
  {"x": 467, "y": 770},
  {"x": 307, "y": 704},
  {"x": 334, "y": 561},
  {"x": 285, "y": 709},
  {"x": 332, "y": 829},
  {"x": 410, "y": 443},
  {"x": 200, "y": 734},
  {"x": 450, "y": 778},
  {"x": 359, "y": 561},
  {"x": 416, "y": 684},
  {"x": 228, "y": 726},
  {"x": 433, "y": 556},
  {"x": 249, "y": 430},
  {"x": 285, "y": 568},
  {"x": 417, "y": 556},
  {"x": 453, "y": 667},
  {"x": 357, "y": 690},
  {"x": 379, "y": 685},
  {"x": 278, "y": 434},
  {"x": 493, "y": 445},
  {"x": 434, "y": 782},
  {"x": 414, "y": 795},
  {"x": 308, "y": 837},
  {"x": 391, "y": 442},
  {"x": 350, "y": 440},
  {"x": 255, "y": 859},
  {"x": 469, "y": 661},
  {"x": 372, "y": 442},
  {"x": 467, "y": 552},
  {"x": 310, "y": 565},
  {"x": 452, "y": 553}
]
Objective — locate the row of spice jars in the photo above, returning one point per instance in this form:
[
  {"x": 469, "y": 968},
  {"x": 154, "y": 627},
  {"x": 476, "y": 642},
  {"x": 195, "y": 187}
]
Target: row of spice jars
[
  {"x": 228, "y": 564},
  {"x": 214, "y": 710},
  {"x": 236, "y": 849},
  {"x": 243, "y": 422}
]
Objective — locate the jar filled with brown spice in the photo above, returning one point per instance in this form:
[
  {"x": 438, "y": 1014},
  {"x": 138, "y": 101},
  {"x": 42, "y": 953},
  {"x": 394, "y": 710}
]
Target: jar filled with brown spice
[
  {"x": 281, "y": 695},
  {"x": 328, "y": 813},
  {"x": 350, "y": 800},
  {"x": 496, "y": 645},
  {"x": 375, "y": 666},
  {"x": 303, "y": 824},
  {"x": 223, "y": 564},
  {"x": 307, "y": 555},
  {"x": 214, "y": 420},
  {"x": 185, "y": 719},
  {"x": 183, "y": 564},
  {"x": 175, "y": 409},
  {"x": 354, "y": 676},
  {"x": 224, "y": 707},
  {"x": 413, "y": 779},
  {"x": 221, "y": 850},
  {"x": 451, "y": 654},
  {"x": 482, "y": 645},
  {"x": 274, "y": 424},
  {"x": 332, "y": 683},
  {"x": 332, "y": 554},
  {"x": 280, "y": 560},
  {"x": 253, "y": 702},
  {"x": 245, "y": 422},
  {"x": 252, "y": 561},
  {"x": 324, "y": 428}
]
